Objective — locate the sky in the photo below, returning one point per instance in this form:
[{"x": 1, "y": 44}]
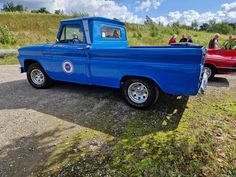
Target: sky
[{"x": 164, "y": 11}]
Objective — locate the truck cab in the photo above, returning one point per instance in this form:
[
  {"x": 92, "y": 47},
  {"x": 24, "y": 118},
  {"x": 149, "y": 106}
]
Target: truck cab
[{"x": 95, "y": 51}]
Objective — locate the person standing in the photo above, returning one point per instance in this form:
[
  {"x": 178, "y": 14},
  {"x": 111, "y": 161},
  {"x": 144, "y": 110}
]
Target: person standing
[
  {"x": 183, "y": 39},
  {"x": 213, "y": 44},
  {"x": 173, "y": 39},
  {"x": 189, "y": 39}
]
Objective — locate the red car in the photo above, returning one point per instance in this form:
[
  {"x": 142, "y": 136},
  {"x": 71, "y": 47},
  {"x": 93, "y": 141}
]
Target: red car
[{"x": 220, "y": 61}]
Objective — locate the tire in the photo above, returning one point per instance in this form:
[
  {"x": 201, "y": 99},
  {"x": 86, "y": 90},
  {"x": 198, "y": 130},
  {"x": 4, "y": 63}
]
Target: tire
[
  {"x": 140, "y": 93},
  {"x": 212, "y": 72},
  {"x": 37, "y": 77}
]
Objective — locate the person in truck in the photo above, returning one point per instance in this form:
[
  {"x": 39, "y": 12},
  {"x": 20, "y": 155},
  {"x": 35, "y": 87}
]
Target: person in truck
[
  {"x": 213, "y": 44},
  {"x": 115, "y": 34},
  {"x": 230, "y": 43}
]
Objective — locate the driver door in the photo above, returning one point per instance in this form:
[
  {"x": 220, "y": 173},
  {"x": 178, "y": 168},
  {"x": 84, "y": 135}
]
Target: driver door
[{"x": 69, "y": 56}]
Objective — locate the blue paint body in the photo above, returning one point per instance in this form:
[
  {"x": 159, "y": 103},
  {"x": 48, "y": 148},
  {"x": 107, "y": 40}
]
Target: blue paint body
[{"x": 175, "y": 69}]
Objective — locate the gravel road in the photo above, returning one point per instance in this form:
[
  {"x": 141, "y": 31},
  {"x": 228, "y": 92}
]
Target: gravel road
[{"x": 33, "y": 122}]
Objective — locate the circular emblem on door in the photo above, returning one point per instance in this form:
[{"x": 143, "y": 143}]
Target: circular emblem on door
[{"x": 67, "y": 67}]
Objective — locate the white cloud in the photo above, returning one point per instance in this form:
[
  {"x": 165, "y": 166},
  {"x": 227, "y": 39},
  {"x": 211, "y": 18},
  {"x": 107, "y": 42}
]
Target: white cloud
[
  {"x": 111, "y": 9},
  {"x": 147, "y": 5},
  {"x": 228, "y": 7},
  {"x": 226, "y": 13},
  {"x": 105, "y": 8}
]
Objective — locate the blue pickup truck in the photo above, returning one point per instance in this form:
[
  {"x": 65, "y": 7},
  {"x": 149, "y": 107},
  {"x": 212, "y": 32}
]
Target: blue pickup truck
[{"x": 95, "y": 51}]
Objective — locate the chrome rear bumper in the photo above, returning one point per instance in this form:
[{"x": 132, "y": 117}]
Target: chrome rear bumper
[{"x": 204, "y": 83}]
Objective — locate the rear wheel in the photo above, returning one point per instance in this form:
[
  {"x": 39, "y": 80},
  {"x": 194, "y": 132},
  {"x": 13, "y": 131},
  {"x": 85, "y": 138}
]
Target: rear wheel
[
  {"x": 210, "y": 71},
  {"x": 140, "y": 92},
  {"x": 37, "y": 77}
]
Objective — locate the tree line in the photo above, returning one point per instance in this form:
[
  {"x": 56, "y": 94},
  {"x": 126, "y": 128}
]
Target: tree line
[
  {"x": 211, "y": 26},
  {"x": 11, "y": 7}
]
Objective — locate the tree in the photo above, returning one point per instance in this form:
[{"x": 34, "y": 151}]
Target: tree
[
  {"x": 175, "y": 24},
  {"x": 212, "y": 22},
  {"x": 204, "y": 27},
  {"x": 8, "y": 7},
  {"x": 11, "y": 7},
  {"x": 194, "y": 25},
  {"x": 59, "y": 12},
  {"x": 223, "y": 28},
  {"x": 20, "y": 8},
  {"x": 149, "y": 21},
  {"x": 42, "y": 10}
]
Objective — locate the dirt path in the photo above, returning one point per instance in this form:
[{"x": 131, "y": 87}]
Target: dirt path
[{"x": 33, "y": 122}]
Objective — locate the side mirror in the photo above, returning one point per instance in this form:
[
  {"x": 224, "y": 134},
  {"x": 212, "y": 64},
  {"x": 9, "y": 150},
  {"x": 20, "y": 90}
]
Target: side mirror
[{"x": 88, "y": 46}]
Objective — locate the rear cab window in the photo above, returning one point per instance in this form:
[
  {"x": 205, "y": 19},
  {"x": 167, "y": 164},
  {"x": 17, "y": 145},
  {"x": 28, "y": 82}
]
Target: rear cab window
[{"x": 108, "y": 32}]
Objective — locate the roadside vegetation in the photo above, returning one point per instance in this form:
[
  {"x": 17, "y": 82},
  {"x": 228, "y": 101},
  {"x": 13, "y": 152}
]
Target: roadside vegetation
[
  {"x": 35, "y": 28},
  {"x": 8, "y": 60}
]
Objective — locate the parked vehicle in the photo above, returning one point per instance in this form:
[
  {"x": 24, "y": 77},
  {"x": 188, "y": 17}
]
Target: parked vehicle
[
  {"x": 95, "y": 51},
  {"x": 220, "y": 61}
]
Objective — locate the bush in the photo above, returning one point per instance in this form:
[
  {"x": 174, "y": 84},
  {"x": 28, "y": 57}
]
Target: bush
[
  {"x": 139, "y": 34},
  {"x": 6, "y": 37},
  {"x": 223, "y": 28},
  {"x": 134, "y": 35},
  {"x": 154, "y": 31}
]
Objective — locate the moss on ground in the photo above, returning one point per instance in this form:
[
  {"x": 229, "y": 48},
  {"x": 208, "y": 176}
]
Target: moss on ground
[{"x": 180, "y": 137}]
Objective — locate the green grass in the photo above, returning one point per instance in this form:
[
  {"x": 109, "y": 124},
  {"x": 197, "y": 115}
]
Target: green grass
[
  {"x": 8, "y": 60},
  {"x": 30, "y": 29},
  {"x": 180, "y": 137}
]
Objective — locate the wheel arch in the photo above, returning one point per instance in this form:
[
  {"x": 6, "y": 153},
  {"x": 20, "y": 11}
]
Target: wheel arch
[
  {"x": 153, "y": 81},
  {"x": 212, "y": 65},
  {"x": 28, "y": 62}
]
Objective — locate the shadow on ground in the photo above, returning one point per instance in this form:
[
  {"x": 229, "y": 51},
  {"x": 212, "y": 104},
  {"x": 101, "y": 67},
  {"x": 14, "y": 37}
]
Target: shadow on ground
[
  {"x": 219, "y": 82},
  {"x": 98, "y": 108},
  {"x": 24, "y": 154}
]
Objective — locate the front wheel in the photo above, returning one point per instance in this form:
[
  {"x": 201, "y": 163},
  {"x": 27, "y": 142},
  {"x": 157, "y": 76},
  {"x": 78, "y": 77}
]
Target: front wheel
[
  {"x": 37, "y": 77},
  {"x": 140, "y": 93}
]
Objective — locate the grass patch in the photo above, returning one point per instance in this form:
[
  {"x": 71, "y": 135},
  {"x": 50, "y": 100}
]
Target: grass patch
[
  {"x": 29, "y": 29},
  {"x": 9, "y": 60},
  {"x": 180, "y": 137}
]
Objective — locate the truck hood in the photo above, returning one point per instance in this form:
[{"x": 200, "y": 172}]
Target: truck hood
[{"x": 34, "y": 49}]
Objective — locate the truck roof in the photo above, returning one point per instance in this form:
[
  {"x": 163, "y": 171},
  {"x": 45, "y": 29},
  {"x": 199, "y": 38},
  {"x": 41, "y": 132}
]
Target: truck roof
[{"x": 94, "y": 19}]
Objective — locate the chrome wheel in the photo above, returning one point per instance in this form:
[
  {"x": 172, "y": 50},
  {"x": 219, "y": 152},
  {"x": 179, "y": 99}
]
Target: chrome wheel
[
  {"x": 208, "y": 72},
  {"x": 37, "y": 77},
  {"x": 138, "y": 92}
]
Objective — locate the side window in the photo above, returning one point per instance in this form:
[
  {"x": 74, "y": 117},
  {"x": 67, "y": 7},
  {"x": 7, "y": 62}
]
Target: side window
[
  {"x": 72, "y": 34},
  {"x": 110, "y": 32}
]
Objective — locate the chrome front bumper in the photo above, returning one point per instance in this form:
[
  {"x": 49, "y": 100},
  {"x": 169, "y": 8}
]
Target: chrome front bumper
[
  {"x": 204, "y": 82},
  {"x": 21, "y": 69}
]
